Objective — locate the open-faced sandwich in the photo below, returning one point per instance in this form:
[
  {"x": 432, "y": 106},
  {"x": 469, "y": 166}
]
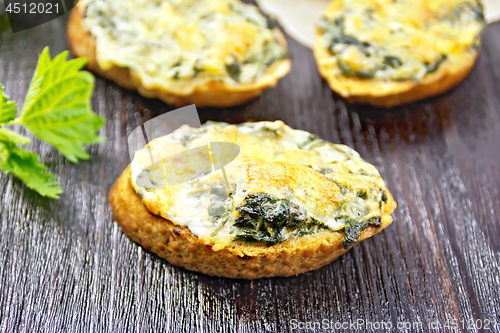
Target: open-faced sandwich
[
  {"x": 391, "y": 52},
  {"x": 204, "y": 52},
  {"x": 289, "y": 202}
]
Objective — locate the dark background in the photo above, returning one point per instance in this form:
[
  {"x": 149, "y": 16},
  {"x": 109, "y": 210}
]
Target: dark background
[{"x": 66, "y": 266}]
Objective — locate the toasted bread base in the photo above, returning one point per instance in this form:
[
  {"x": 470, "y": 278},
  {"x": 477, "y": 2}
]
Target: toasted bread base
[
  {"x": 240, "y": 260},
  {"x": 216, "y": 94},
  {"x": 391, "y": 93}
]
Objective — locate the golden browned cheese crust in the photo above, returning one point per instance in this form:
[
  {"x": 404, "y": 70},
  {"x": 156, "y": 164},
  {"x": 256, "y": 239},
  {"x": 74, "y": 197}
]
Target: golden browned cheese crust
[
  {"x": 239, "y": 260},
  {"x": 216, "y": 94},
  {"x": 390, "y": 93}
]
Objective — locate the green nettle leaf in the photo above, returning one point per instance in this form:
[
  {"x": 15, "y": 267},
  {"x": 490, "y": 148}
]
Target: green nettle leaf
[
  {"x": 8, "y": 109},
  {"x": 57, "y": 110},
  {"x": 12, "y": 137},
  {"x": 24, "y": 165},
  {"x": 57, "y": 107}
]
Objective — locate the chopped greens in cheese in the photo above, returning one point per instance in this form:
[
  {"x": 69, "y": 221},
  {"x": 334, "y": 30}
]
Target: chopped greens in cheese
[
  {"x": 285, "y": 183},
  {"x": 263, "y": 218},
  {"x": 175, "y": 42},
  {"x": 400, "y": 39}
]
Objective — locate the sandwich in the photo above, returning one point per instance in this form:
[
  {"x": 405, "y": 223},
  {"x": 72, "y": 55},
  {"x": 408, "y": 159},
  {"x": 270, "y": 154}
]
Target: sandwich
[
  {"x": 206, "y": 52},
  {"x": 387, "y": 53},
  {"x": 285, "y": 203}
]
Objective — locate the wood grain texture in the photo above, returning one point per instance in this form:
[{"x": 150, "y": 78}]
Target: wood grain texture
[{"x": 66, "y": 266}]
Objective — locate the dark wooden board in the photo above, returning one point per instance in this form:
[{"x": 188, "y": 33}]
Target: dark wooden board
[{"x": 66, "y": 266}]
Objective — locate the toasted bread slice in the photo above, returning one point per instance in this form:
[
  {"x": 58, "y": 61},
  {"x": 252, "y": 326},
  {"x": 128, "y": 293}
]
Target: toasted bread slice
[
  {"x": 214, "y": 93},
  {"x": 288, "y": 203},
  {"x": 388, "y": 92}
]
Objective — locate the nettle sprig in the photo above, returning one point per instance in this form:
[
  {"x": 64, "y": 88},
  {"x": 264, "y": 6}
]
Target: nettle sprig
[{"x": 56, "y": 110}]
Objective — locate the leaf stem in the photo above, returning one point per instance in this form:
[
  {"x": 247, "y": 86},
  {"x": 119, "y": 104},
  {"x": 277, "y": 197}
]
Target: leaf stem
[{"x": 16, "y": 121}]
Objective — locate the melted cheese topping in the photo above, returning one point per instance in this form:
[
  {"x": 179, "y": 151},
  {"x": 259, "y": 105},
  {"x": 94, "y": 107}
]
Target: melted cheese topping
[
  {"x": 177, "y": 43},
  {"x": 328, "y": 183},
  {"x": 399, "y": 39}
]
